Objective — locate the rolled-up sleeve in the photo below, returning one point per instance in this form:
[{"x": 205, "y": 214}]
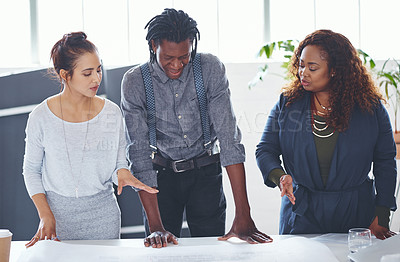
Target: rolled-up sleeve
[
  {"x": 33, "y": 158},
  {"x": 133, "y": 105},
  {"x": 221, "y": 113}
]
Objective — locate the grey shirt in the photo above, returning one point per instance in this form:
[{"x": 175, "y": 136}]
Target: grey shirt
[
  {"x": 93, "y": 165},
  {"x": 178, "y": 124}
]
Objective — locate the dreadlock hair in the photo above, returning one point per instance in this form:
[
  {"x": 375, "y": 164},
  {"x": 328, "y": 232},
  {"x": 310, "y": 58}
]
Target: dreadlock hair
[{"x": 173, "y": 26}]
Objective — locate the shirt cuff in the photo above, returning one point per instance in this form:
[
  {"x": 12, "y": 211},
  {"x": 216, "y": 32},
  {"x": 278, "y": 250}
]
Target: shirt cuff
[
  {"x": 383, "y": 214},
  {"x": 232, "y": 155},
  {"x": 275, "y": 175}
]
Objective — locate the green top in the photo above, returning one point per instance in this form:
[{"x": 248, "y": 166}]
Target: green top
[{"x": 325, "y": 146}]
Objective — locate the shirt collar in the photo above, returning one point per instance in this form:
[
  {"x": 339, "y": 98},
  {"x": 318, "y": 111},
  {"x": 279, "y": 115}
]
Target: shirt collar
[{"x": 164, "y": 78}]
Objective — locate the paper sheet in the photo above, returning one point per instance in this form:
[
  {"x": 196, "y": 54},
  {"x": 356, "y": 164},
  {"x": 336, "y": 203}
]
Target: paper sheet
[
  {"x": 375, "y": 252},
  {"x": 291, "y": 249}
]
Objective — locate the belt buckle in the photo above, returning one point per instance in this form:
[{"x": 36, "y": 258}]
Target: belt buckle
[{"x": 173, "y": 166}]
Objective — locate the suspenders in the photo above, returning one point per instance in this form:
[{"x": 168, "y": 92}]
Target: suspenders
[{"x": 201, "y": 96}]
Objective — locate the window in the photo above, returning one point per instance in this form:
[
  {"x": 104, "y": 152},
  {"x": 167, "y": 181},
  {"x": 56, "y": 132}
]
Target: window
[
  {"x": 291, "y": 19},
  {"x": 380, "y": 36},
  {"x": 56, "y": 18},
  {"x": 231, "y": 29},
  {"x": 15, "y": 45}
]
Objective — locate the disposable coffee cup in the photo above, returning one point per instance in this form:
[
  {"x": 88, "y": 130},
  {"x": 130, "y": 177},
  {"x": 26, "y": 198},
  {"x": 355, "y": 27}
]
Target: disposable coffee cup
[{"x": 5, "y": 245}]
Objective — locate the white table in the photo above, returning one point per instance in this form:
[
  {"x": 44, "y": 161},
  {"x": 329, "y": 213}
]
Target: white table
[
  {"x": 204, "y": 249},
  {"x": 328, "y": 247}
]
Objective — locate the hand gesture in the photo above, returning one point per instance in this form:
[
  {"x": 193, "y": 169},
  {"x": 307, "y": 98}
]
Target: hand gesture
[
  {"x": 160, "y": 239},
  {"x": 286, "y": 187},
  {"x": 380, "y": 231},
  {"x": 246, "y": 230},
  {"x": 125, "y": 178},
  {"x": 46, "y": 231}
]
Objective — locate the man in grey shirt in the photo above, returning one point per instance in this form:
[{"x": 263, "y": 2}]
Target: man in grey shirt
[{"x": 187, "y": 174}]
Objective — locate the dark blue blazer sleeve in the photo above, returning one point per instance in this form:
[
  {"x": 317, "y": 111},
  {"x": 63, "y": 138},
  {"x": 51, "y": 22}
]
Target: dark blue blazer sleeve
[
  {"x": 269, "y": 150},
  {"x": 384, "y": 159}
]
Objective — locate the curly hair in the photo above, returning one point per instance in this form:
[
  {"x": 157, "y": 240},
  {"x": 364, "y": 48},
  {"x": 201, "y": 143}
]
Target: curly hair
[{"x": 352, "y": 84}]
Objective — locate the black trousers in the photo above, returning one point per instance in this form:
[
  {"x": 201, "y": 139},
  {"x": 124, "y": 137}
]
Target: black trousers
[{"x": 199, "y": 192}]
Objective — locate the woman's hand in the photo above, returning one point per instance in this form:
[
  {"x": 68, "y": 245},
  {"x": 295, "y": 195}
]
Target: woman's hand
[
  {"x": 286, "y": 187},
  {"x": 380, "y": 232},
  {"x": 125, "y": 178},
  {"x": 46, "y": 230},
  {"x": 160, "y": 239}
]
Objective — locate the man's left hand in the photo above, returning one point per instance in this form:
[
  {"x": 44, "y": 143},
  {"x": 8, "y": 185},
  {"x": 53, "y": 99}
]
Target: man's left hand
[{"x": 246, "y": 230}]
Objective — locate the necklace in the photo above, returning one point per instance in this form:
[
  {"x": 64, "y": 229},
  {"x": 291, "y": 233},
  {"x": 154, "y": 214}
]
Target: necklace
[
  {"x": 76, "y": 180},
  {"x": 323, "y": 125},
  {"x": 323, "y": 107},
  {"x": 315, "y": 128},
  {"x": 321, "y": 129}
]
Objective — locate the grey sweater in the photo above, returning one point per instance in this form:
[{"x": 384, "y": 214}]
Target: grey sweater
[{"x": 93, "y": 166}]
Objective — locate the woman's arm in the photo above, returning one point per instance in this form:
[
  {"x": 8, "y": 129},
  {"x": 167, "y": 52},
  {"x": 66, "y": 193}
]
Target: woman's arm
[{"x": 47, "y": 225}]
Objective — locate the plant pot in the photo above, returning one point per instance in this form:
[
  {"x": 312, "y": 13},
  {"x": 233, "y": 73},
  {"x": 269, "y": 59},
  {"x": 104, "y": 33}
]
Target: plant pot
[{"x": 397, "y": 141}]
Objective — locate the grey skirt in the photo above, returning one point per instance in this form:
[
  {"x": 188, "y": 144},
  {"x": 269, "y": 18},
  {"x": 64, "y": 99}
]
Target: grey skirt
[{"x": 89, "y": 217}]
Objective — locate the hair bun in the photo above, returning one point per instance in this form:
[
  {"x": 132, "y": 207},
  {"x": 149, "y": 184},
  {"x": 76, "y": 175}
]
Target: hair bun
[{"x": 73, "y": 38}]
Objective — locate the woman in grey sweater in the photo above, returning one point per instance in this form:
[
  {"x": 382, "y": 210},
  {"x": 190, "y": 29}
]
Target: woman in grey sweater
[{"x": 75, "y": 151}]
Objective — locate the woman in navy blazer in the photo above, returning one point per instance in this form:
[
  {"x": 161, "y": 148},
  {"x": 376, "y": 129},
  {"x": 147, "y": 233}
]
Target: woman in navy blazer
[{"x": 329, "y": 126}]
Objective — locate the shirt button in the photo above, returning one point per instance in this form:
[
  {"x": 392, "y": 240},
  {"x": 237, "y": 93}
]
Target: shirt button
[
  {"x": 179, "y": 116},
  {"x": 176, "y": 95},
  {"x": 185, "y": 136}
]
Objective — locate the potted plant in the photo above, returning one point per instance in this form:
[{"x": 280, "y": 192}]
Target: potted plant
[
  {"x": 389, "y": 78},
  {"x": 287, "y": 46}
]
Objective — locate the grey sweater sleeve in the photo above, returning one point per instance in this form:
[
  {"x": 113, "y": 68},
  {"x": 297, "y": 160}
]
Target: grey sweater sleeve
[{"x": 33, "y": 158}]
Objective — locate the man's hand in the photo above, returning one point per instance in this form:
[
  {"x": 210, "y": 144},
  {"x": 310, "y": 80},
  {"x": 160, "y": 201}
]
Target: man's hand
[
  {"x": 246, "y": 230},
  {"x": 160, "y": 239}
]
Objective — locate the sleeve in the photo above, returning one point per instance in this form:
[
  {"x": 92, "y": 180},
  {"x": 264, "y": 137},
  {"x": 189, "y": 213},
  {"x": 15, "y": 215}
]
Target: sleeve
[
  {"x": 268, "y": 151},
  {"x": 33, "y": 158},
  {"x": 384, "y": 162},
  {"x": 275, "y": 176},
  {"x": 133, "y": 105},
  {"x": 383, "y": 214},
  {"x": 222, "y": 117},
  {"x": 121, "y": 155}
]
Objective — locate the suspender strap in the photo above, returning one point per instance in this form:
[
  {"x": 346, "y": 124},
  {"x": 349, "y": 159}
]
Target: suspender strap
[
  {"x": 202, "y": 98},
  {"x": 150, "y": 105}
]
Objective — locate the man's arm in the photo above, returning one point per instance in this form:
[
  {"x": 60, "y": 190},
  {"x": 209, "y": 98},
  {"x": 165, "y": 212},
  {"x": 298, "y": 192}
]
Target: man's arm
[
  {"x": 232, "y": 151},
  {"x": 243, "y": 225},
  {"x": 159, "y": 237},
  {"x": 134, "y": 111}
]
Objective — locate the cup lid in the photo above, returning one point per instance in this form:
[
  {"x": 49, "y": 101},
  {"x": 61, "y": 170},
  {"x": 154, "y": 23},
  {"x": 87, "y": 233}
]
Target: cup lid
[{"x": 5, "y": 233}]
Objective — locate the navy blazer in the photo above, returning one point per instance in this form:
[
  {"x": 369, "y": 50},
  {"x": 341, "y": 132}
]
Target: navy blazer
[{"x": 349, "y": 198}]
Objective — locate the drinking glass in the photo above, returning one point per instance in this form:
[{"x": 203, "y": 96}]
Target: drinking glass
[{"x": 359, "y": 238}]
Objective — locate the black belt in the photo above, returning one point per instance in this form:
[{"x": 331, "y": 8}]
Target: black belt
[{"x": 185, "y": 165}]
